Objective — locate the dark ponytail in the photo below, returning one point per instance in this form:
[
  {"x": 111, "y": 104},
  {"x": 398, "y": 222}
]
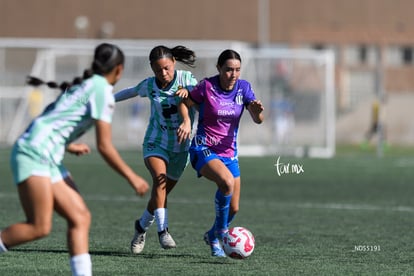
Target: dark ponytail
[
  {"x": 179, "y": 53},
  {"x": 106, "y": 58}
]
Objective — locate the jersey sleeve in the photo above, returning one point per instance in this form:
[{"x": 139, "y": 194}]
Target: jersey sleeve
[
  {"x": 141, "y": 89},
  {"x": 125, "y": 94},
  {"x": 197, "y": 94},
  {"x": 248, "y": 93},
  {"x": 102, "y": 104},
  {"x": 190, "y": 81},
  {"x": 144, "y": 87}
]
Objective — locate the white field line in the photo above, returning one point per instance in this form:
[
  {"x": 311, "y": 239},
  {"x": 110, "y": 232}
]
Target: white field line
[{"x": 330, "y": 206}]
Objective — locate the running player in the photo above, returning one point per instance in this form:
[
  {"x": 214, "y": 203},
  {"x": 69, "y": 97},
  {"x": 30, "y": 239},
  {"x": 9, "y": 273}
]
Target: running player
[
  {"x": 220, "y": 100},
  {"x": 165, "y": 156},
  {"x": 37, "y": 155}
]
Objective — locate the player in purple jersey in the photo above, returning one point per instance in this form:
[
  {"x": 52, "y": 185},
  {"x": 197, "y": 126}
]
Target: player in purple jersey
[{"x": 220, "y": 100}]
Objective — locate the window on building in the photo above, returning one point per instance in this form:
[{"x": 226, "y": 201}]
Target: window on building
[
  {"x": 363, "y": 54},
  {"x": 407, "y": 54},
  {"x": 318, "y": 46}
]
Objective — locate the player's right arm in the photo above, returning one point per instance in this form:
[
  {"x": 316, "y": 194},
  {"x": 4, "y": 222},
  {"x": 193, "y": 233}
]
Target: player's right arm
[
  {"x": 125, "y": 94},
  {"x": 112, "y": 157}
]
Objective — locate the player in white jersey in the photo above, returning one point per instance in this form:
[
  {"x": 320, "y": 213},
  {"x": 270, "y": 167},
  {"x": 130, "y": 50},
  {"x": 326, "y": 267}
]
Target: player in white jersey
[
  {"x": 37, "y": 155},
  {"x": 165, "y": 156}
]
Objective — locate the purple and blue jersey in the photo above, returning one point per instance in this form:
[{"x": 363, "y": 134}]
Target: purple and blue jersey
[{"x": 219, "y": 115}]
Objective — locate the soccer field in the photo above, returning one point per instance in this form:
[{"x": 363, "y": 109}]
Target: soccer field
[{"x": 350, "y": 215}]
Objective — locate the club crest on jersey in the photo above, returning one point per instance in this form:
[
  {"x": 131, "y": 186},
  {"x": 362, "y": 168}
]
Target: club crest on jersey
[{"x": 239, "y": 99}]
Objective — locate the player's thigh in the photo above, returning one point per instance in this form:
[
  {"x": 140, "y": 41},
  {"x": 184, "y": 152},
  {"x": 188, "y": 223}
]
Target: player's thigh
[
  {"x": 215, "y": 170},
  {"x": 36, "y": 197},
  {"x": 156, "y": 165},
  {"x": 69, "y": 204}
]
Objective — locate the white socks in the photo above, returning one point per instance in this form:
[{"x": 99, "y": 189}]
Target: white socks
[
  {"x": 2, "y": 246},
  {"x": 146, "y": 220},
  {"x": 81, "y": 265},
  {"x": 161, "y": 217}
]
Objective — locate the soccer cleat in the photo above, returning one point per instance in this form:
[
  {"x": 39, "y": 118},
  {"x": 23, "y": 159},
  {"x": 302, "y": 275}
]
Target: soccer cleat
[
  {"x": 216, "y": 249},
  {"x": 166, "y": 241},
  {"x": 138, "y": 242}
]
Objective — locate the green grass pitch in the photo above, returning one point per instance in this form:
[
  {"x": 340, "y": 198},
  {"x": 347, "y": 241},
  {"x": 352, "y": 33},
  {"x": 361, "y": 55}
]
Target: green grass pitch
[{"x": 350, "y": 215}]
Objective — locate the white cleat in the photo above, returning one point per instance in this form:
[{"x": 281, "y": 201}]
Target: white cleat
[
  {"x": 138, "y": 242},
  {"x": 166, "y": 241}
]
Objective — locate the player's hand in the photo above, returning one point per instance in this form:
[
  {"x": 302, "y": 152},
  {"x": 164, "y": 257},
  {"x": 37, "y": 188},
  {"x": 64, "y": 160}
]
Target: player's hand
[
  {"x": 139, "y": 184},
  {"x": 184, "y": 131},
  {"x": 78, "y": 149},
  {"x": 256, "y": 106},
  {"x": 182, "y": 93}
]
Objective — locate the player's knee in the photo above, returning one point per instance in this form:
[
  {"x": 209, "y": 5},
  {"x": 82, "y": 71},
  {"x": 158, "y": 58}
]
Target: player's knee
[
  {"x": 82, "y": 219},
  {"x": 227, "y": 185},
  {"x": 41, "y": 230},
  {"x": 85, "y": 217},
  {"x": 160, "y": 181}
]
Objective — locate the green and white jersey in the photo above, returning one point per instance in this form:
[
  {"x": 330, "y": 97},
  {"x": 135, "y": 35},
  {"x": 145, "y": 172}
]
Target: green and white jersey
[
  {"x": 164, "y": 119},
  {"x": 70, "y": 116}
]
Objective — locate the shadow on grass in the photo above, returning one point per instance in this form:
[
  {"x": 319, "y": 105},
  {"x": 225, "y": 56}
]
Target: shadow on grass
[{"x": 153, "y": 256}]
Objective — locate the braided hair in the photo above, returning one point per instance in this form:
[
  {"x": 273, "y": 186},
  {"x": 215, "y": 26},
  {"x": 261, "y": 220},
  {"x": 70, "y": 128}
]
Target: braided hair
[{"x": 106, "y": 58}]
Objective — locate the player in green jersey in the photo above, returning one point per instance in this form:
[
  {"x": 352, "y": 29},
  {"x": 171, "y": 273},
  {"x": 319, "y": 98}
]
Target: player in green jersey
[
  {"x": 165, "y": 156},
  {"x": 37, "y": 155}
]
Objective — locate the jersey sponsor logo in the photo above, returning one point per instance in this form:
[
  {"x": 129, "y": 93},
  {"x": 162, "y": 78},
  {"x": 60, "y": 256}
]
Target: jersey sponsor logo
[
  {"x": 226, "y": 103},
  {"x": 223, "y": 112},
  {"x": 76, "y": 98},
  {"x": 165, "y": 127}
]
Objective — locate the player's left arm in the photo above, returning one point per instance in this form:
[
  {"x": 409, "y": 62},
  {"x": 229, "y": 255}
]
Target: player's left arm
[
  {"x": 256, "y": 108},
  {"x": 78, "y": 148}
]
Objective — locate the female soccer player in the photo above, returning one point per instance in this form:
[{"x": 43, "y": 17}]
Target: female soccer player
[
  {"x": 37, "y": 155},
  {"x": 165, "y": 156},
  {"x": 220, "y": 100}
]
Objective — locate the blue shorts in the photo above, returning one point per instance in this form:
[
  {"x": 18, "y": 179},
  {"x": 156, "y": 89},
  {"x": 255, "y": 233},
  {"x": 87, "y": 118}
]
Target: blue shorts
[
  {"x": 201, "y": 157},
  {"x": 176, "y": 161}
]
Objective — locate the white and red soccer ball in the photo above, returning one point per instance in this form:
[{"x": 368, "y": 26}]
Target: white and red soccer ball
[{"x": 238, "y": 243}]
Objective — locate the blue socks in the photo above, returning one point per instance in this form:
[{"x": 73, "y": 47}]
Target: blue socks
[{"x": 220, "y": 227}]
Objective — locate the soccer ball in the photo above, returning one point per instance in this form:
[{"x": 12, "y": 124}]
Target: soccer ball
[{"x": 238, "y": 243}]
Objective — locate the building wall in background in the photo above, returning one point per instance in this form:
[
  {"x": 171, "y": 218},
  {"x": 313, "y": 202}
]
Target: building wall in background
[
  {"x": 364, "y": 34},
  {"x": 298, "y": 21}
]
